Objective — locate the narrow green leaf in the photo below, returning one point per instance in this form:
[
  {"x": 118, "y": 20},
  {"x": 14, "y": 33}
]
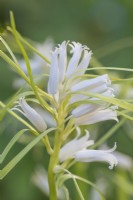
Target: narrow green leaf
[
  {"x": 91, "y": 184},
  {"x": 78, "y": 189},
  {"x": 32, "y": 84},
  {"x": 69, "y": 175},
  {"x": 108, "y": 134},
  {"x": 111, "y": 100},
  {"x": 10, "y": 144},
  {"x": 125, "y": 115},
  {"x": 9, "y": 50},
  {"x": 110, "y": 68},
  {"x": 25, "y": 42},
  {"x": 14, "y": 66},
  {"x": 22, "y": 153}
]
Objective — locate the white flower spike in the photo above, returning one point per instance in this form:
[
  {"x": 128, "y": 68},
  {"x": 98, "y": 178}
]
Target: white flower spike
[
  {"x": 97, "y": 156},
  {"x": 31, "y": 115}
]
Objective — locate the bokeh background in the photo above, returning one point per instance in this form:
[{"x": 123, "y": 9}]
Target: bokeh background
[{"x": 106, "y": 26}]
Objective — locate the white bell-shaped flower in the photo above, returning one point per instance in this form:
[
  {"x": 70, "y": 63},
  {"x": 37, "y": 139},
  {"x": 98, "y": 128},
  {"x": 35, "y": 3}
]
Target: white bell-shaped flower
[
  {"x": 97, "y": 156},
  {"x": 32, "y": 115},
  {"x": 68, "y": 150},
  {"x": 78, "y": 149}
]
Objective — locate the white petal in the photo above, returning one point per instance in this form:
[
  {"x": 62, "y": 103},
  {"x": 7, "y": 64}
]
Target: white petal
[
  {"x": 91, "y": 84},
  {"x": 62, "y": 60},
  {"x": 84, "y": 62},
  {"x": 32, "y": 116},
  {"x": 68, "y": 151},
  {"x": 46, "y": 116},
  {"x": 73, "y": 63},
  {"x": 86, "y": 108},
  {"x": 101, "y": 89},
  {"x": 97, "y": 116},
  {"x": 53, "y": 82},
  {"x": 90, "y": 107},
  {"x": 96, "y": 156}
]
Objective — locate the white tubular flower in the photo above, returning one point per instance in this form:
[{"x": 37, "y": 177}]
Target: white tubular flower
[
  {"x": 97, "y": 156},
  {"x": 32, "y": 115},
  {"x": 98, "y": 85},
  {"x": 97, "y": 116},
  {"x": 93, "y": 83},
  {"x": 99, "y": 110},
  {"x": 77, "y": 144}
]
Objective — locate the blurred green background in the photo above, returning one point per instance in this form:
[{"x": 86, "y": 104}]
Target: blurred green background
[{"x": 106, "y": 26}]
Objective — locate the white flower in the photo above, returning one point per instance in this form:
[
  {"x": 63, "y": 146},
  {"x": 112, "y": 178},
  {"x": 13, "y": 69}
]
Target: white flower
[
  {"x": 68, "y": 150},
  {"x": 66, "y": 79},
  {"x": 97, "y": 115},
  {"x": 77, "y": 149},
  {"x": 98, "y": 110},
  {"x": 32, "y": 115},
  {"x": 97, "y": 156},
  {"x": 99, "y": 84}
]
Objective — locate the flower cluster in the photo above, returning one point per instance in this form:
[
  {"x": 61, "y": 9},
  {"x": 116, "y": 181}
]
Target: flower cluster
[{"x": 67, "y": 81}]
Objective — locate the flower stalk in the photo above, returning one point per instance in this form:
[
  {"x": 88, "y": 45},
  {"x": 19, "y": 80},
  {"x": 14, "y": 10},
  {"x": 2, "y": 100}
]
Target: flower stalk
[{"x": 54, "y": 159}]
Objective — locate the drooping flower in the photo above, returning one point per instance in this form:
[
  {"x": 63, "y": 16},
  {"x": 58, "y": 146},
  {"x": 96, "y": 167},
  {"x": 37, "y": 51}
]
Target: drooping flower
[
  {"x": 32, "y": 115},
  {"x": 78, "y": 149},
  {"x": 97, "y": 156},
  {"x": 67, "y": 79},
  {"x": 125, "y": 161},
  {"x": 68, "y": 150},
  {"x": 97, "y": 115}
]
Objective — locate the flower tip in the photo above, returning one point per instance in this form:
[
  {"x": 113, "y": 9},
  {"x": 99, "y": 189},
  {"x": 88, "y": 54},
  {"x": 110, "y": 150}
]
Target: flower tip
[{"x": 113, "y": 164}]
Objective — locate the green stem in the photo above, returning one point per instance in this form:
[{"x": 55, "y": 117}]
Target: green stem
[
  {"x": 54, "y": 157},
  {"x": 53, "y": 162}
]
